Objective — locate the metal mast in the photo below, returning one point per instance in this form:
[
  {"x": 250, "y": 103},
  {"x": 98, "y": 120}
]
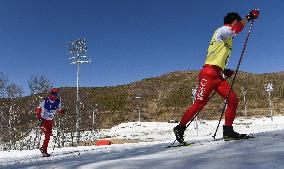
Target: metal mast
[{"x": 77, "y": 49}]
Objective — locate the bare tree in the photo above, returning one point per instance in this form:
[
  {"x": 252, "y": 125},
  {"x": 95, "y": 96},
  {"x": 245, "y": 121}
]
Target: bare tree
[
  {"x": 3, "y": 84},
  {"x": 14, "y": 91},
  {"x": 39, "y": 84}
]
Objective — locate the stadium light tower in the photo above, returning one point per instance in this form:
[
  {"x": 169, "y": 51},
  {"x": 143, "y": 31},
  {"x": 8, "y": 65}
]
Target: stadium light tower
[
  {"x": 77, "y": 49},
  {"x": 269, "y": 88}
]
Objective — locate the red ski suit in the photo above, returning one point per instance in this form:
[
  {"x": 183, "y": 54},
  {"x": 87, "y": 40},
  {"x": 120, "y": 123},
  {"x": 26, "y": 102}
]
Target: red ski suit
[
  {"x": 210, "y": 78},
  {"x": 46, "y": 128}
]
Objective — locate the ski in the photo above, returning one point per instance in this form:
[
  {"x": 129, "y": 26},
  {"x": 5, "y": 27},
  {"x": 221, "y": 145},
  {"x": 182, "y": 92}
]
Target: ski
[
  {"x": 244, "y": 137},
  {"x": 180, "y": 145}
]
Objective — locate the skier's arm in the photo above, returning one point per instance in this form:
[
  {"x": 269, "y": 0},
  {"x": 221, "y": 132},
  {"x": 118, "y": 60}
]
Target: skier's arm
[
  {"x": 244, "y": 21},
  {"x": 229, "y": 30},
  {"x": 225, "y": 32},
  {"x": 38, "y": 113},
  {"x": 240, "y": 25},
  {"x": 60, "y": 109},
  {"x": 38, "y": 110}
]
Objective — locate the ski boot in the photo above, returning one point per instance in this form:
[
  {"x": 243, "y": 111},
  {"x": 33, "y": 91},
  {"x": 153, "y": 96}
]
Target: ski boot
[
  {"x": 179, "y": 132},
  {"x": 44, "y": 152},
  {"x": 230, "y": 134}
]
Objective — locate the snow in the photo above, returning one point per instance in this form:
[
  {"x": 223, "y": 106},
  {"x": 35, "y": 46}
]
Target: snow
[
  {"x": 266, "y": 151},
  {"x": 151, "y": 131}
]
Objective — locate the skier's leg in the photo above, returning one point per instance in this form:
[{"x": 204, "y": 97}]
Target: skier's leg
[
  {"x": 209, "y": 78},
  {"x": 230, "y": 113},
  {"x": 204, "y": 89},
  {"x": 45, "y": 142},
  {"x": 47, "y": 133},
  {"x": 228, "y": 131},
  {"x": 193, "y": 109}
]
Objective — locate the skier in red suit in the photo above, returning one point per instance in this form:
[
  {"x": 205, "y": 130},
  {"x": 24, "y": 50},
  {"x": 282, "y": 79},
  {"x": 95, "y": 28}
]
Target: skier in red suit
[
  {"x": 210, "y": 77},
  {"x": 45, "y": 114}
]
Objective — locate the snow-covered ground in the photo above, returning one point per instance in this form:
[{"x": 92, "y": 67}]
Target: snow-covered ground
[
  {"x": 151, "y": 131},
  {"x": 266, "y": 151}
]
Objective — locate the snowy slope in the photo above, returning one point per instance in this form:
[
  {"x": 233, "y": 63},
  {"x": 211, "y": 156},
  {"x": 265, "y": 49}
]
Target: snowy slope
[
  {"x": 158, "y": 131},
  {"x": 266, "y": 151}
]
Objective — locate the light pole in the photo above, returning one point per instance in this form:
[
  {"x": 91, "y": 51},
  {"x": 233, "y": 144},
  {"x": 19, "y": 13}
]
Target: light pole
[
  {"x": 95, "y": 110},
  {"x": 245, "y": 103},
  {"x": 268, "y": 87},
  {"x": 77, "y": 49},
  {"x": 139, "y": 111}
]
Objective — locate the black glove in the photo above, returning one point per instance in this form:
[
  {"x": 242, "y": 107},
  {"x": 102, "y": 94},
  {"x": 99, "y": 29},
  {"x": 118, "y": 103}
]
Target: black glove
[
  {"x": 253, "y": 14},
  {"x": 228, "y": 72},
  {"x": 40, "y": 121}
]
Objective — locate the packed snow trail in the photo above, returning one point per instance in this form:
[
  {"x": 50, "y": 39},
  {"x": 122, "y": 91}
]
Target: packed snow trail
[{"x": 266, "y": 151}]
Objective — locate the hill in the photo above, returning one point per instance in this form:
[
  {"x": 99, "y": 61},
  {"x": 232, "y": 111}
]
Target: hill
[{"x": 163, "y": 98}]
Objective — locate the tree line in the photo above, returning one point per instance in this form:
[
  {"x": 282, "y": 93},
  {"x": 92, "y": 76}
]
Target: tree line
[
  {"x": 11, "y": 116},
  {"x": 18, "y": 126},
  {"x": 37, "y": 84}
]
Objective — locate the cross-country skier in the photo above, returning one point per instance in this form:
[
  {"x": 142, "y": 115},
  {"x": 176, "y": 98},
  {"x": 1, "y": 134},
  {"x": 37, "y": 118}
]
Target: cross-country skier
[
  {"x": 210, "y": 77},
  {"x": 45, "y": 113}
]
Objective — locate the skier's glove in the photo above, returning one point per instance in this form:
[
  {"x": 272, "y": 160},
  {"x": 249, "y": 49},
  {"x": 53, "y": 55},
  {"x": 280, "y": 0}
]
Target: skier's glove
[
  {"x": 40, "y": 121},
  {"x": 253, "y": 14},
  {"x": 62, "y": 111},
  {"x": 228, "y": 72}
]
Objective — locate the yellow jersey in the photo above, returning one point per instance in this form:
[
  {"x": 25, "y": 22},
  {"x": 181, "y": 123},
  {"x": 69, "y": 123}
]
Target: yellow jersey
[{"x": 220, "y": 47}]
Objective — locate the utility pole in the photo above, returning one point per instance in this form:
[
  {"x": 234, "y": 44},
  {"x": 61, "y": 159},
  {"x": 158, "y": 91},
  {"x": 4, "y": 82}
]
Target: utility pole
[
  {"x": 268, "y": 87},
  {"x": 77, "y": 49},
  {"x": 193, "y": 91},
  {"x": 139, "y": 110},
  {"x": 95, "y": 110},
  {"x": 245, "y": 104}
]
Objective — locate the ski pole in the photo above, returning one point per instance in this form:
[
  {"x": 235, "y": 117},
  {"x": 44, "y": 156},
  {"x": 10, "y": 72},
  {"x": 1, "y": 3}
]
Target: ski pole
[
  {"x": 199, "y": 111},
  {"x": 3, "y": 117},
  {"x": 235, "y": 75}
]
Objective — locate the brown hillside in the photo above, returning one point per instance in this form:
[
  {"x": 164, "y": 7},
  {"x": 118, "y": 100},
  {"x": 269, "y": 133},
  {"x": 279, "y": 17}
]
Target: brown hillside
[{"x": 163, "y": 98}]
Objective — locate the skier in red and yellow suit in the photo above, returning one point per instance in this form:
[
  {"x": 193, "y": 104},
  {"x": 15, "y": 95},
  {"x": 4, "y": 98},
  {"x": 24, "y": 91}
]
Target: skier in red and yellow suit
[{"x": 210, "y": 77}]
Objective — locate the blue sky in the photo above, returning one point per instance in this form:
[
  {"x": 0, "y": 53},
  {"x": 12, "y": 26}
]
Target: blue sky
[{"x": 129, "y": 40}]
